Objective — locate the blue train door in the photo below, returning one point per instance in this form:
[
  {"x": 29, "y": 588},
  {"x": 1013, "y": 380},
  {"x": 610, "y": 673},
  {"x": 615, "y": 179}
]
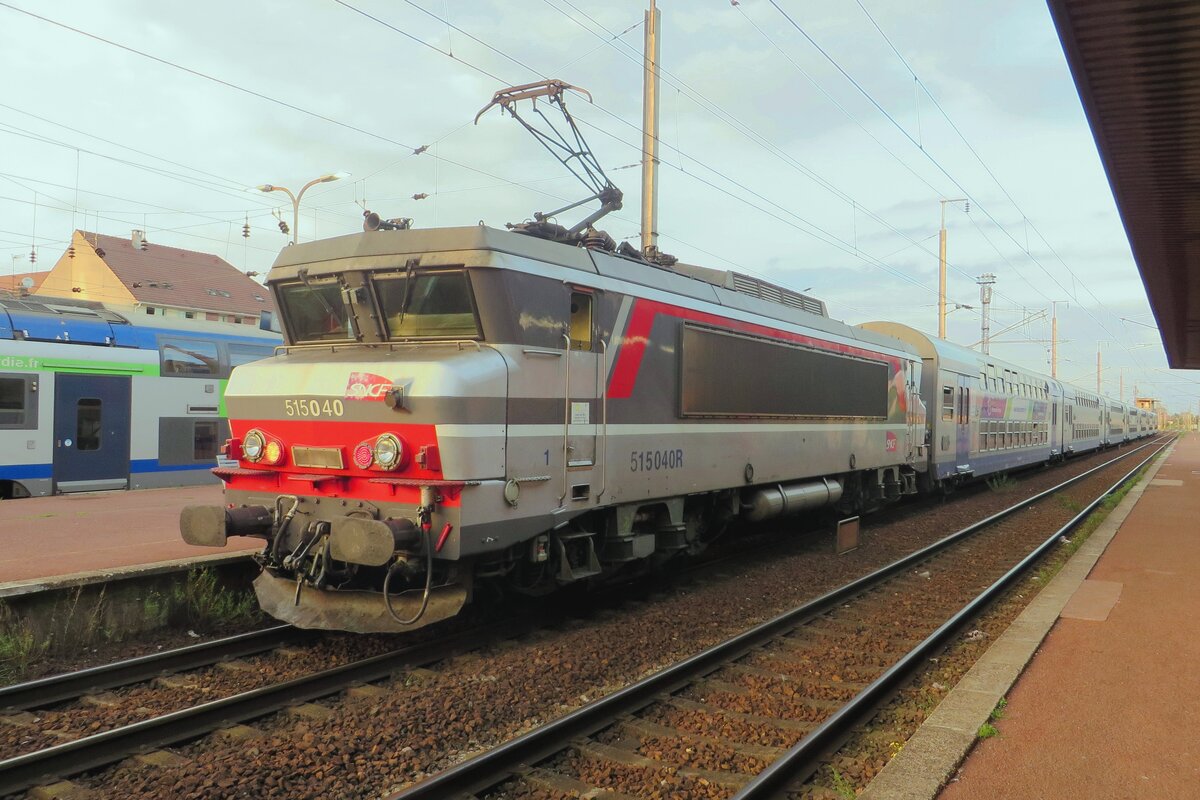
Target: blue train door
[{"x": 91, "y": 432}]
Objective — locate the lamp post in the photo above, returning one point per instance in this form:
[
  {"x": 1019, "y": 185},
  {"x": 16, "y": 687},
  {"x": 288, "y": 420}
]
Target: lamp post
[{"x": 266, "y": 187}]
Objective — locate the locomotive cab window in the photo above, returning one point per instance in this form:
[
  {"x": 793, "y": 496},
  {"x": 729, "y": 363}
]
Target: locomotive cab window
[
  {"x": 315, "y": 311},
  {"x": 581, "y": 321},
  {"x": 427, "y": 305}
]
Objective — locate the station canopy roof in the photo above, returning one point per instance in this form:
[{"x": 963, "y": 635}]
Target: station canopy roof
[{"x": 1136, "y": 64}]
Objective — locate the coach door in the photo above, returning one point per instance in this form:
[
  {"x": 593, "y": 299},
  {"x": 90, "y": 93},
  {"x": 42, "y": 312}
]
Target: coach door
[
  {"x": 91, "y": 432},
  {"x": 963, "y": 427}
]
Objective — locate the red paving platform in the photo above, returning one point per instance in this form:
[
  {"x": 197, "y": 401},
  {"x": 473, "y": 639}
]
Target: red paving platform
[
  {"x": 44, "y": 537},
  {"x": 1109, "y": 707}
]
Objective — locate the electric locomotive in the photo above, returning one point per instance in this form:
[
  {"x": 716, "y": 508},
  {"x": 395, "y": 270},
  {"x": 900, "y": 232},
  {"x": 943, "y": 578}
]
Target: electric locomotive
[
  {"x": 462, "y": 406},
  {"x": 541, "y": 406}
]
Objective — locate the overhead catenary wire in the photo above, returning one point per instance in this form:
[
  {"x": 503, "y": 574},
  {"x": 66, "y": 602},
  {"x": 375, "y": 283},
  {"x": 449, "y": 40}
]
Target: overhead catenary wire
[
  {"x": 800, "y": 223},
  {"x": 726, "y": 188},
  {"x": 941, "y": 168}
]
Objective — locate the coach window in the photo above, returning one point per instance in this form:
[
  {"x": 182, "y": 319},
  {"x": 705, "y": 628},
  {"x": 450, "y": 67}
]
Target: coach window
[
  {"x": 947, "y": 402},
  {"x": 18, "y": 402},
  {"x": 204, "y": 440},
  {"x": 581, "y": 321},
  {"x": 245, "y": 353},
  {"x": 189, "y": 357},
  {"x": 87, "y": 424}
]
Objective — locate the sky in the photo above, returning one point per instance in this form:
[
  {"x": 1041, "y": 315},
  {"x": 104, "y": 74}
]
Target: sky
[{"x": 806, "y": 143}]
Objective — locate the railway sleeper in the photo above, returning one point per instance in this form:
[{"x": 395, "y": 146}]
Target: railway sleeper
[
  {"x": 792, "y": 725},
  {"x": 640, "y": 729},
  {"x": 547, "y": 780},
  {"x": 627, "y": 758},
  {"x": 802, "y": 680}
]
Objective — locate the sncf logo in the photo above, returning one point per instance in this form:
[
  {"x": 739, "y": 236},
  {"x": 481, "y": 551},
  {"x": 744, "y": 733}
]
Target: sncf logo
[
  {"x": 367, "y": 386},
  {"x": 891, "y": 442}
]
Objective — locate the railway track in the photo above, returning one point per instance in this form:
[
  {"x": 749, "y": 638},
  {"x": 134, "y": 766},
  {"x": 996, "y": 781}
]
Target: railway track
[
  {"x": 74, "y": 685},
  {"x": 73, "y": 757},
  {"x": 107, "y": 747},
  {"x": 754, "y": 715}
]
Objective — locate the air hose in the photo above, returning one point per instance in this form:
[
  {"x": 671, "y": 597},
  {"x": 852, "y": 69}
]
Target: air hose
[{"x": 387, "y": 598}]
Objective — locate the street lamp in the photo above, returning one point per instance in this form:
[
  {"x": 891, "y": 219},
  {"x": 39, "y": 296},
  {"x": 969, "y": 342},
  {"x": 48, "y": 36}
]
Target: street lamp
[{"x": 266, "y": 187}]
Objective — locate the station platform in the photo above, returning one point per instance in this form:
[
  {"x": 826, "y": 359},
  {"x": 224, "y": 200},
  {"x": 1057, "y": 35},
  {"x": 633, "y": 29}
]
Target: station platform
[
  {"x": 1101, "y": 672},
  {"x": 72, "y": 536}
]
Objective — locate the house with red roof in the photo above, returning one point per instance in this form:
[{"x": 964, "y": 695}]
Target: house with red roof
[
  {"x": 155, "y": 279},
  {"x": 22, "y": 282}
]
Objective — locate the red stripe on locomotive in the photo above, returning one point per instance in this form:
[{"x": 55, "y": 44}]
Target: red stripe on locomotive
[{"x": 641, "y": 321}]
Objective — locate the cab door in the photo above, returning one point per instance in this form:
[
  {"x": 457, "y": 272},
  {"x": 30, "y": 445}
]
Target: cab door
[
  {"x": 581, "y": 407},
  {"x": 91, "y": 432}
]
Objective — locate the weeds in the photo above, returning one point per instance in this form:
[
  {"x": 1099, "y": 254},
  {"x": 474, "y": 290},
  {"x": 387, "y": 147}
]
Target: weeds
[
  {"x": 842, "y": 786},
  {"x": 987, "y": 730},
  {"x": 20, "y": 647},
  {"x": 1002, "y": 483},
  {"x": 209, "y": 606},
  {"x": 1069, "y": 503},
  {"x": 998, "y": 711}
]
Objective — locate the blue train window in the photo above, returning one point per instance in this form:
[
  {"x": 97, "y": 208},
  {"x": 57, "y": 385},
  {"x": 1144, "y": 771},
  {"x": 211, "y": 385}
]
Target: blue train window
[
  {"x": 204, "y": 440},
  {"x": 87, "y": 424},
  {"x": 189, "y": 357}
]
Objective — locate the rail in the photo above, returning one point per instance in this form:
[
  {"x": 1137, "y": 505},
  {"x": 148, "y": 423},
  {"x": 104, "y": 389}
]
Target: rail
[
  {"x": 71, "y": 685},
  {"x": 101, "y": 749},
  {"x": 487, "y": 770}
]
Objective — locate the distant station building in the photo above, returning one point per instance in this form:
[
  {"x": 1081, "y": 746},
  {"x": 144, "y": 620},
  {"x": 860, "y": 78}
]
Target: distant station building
[{"x": 152, "y": 279}]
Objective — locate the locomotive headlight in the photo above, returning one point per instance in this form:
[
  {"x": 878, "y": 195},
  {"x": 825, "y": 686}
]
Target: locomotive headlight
[
  {"x": 252, "y": 445},
  {"x": 388, "y": 451}
]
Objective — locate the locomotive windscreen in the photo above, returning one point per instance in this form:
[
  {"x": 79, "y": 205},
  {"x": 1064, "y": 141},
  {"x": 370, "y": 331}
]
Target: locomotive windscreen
[{"x": 725, "y": 374}]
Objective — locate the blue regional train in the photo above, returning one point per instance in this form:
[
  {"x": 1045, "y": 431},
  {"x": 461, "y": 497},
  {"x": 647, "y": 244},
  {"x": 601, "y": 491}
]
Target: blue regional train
[{"x": 91, "y": 399}]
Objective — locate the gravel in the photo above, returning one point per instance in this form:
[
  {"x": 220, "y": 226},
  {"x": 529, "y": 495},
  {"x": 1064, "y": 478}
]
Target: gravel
[{"x": 427, "y": 720}]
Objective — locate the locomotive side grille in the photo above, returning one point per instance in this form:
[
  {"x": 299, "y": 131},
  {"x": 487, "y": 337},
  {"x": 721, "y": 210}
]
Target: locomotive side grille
[
  {"x": 323, "y": 457},
  {"x": 754, "y": 287}
]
